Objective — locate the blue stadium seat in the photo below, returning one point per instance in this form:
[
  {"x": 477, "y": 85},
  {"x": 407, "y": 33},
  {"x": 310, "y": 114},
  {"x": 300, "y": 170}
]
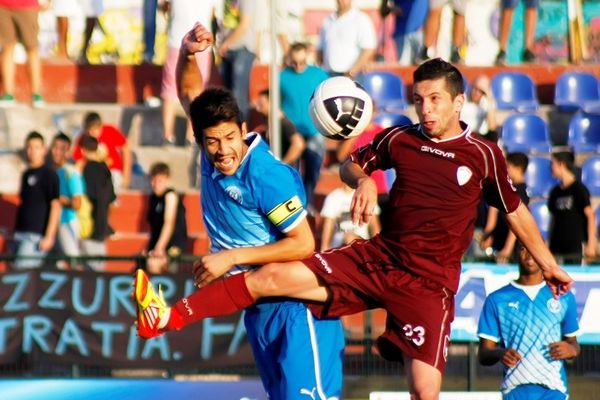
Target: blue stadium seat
[
  {"x": 386, "y": 89},
  {"x": 385, "y": 120},
  {"x": 541, "y": 215},
  {"x": 576, "y": 90},
  {"x": 538, "y": 177},
  {"x": 514, "y": 91},
  {"x": 590, "y": 175},
  {"x": 526, "y": 133},
  {"x": 584, "y": 132}
]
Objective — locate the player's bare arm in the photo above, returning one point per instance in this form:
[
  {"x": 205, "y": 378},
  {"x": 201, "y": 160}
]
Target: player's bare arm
[
  {"x": 524, "y": 227},
  {"x": 189, "y": 80},
  {"x": 490, "y": 353},
  {"x": 565, "y": 349},
  {"x": 365, "y": 196},
  {"x": 297, "y": 244}
]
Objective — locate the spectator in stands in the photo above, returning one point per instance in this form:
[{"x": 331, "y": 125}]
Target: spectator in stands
[
  {"x": 347, "y": 41},
  {"x": 298, "y": 81},
  {"x": 480, "y": 109},
  {"x": 38, "y": 214},
  {"x": 496, "y": 234},
  {"x": 113, "y": 149},
  {"x": 19, "y": 20},
  {"x": 238, "y": 47},
  {"x": 99, "y": 189},
  {"x": 530, "y": 333},
  {"x": 338, "y": 228},
  {"x": 166, "y": 217},
  {"x": 409, "y": 17},
  {"x": 507, "y": 10},
  {"x": 92, "y": 9},
  {"x": 182, "y": 15},
  {"x": 150, "y": 7},
  {"x": 71, "y": 192},
  {"x": 63, "y": 10},
  {"x": 283, "y": 30},
  {"x": 291, "y": 141},
  {"x": 432, "y": 29},
  {"x": 573, "y": 220}
]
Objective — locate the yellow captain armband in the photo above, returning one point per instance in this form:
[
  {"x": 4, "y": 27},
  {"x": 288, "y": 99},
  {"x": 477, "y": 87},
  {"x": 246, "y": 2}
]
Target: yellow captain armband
[{"x": 283, "y": 211}]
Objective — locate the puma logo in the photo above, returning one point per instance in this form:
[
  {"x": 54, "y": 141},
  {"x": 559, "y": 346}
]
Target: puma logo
[
  {"x": 338, "y": 104},
  {"x": 514, "y": 304},
  {"x": 310, "y": 393}
]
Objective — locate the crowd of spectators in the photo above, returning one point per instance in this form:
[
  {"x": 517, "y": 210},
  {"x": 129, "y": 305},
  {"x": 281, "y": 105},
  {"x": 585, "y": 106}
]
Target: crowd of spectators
[{"x": 347, "y": 44}]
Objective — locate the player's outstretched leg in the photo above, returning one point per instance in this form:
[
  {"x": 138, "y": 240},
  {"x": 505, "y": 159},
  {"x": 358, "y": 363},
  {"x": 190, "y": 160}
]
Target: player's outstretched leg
[{"x": 221, "y": 297}]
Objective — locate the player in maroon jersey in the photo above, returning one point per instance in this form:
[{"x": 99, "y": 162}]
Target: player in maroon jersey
[{"x": 412, "y": 268}]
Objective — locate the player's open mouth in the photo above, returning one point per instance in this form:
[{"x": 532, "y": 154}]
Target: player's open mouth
[
  {"x": 224, "y": 164},
  {"x": 428, "y": 124}
]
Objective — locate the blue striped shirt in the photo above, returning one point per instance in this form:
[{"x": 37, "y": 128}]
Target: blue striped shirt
[{"x": 528, "y": 319}]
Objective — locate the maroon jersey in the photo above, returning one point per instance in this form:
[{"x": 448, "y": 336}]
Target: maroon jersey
[{"x": 433, "y": 201}]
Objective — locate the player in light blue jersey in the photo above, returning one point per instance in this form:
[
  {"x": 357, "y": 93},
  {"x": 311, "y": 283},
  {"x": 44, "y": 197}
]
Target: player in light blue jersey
[
  {"x": 523, "y": 326},
  {"x": 253, "y": 207}
]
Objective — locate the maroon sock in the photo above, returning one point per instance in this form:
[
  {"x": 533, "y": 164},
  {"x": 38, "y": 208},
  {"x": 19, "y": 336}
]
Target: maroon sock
[{"x": 221, "y": 297}]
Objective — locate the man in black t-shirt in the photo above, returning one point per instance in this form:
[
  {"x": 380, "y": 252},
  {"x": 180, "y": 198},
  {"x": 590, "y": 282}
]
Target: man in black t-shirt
[
  {"x": 292, "y": 142},
  {"x": 39, "y": 212},
  {"x": 573, "y": 226},
  {"x": 100, "y": 191}
]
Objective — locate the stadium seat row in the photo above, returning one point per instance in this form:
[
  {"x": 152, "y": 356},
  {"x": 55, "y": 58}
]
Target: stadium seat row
[{"x": 516, "y": 91}]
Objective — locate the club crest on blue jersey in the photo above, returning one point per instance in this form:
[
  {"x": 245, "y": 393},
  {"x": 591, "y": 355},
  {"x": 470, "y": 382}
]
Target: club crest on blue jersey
[
  {"x": 554, "y": 306},
  {"x": 235, "y": 193}
]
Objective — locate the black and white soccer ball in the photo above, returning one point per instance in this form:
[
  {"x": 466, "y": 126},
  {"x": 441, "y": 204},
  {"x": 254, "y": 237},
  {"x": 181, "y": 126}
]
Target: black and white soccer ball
[{"x": 340, "y": 108}]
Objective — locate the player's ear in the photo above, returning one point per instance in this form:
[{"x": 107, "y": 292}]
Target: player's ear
[
  {"x": 244, "y": 129},
  {"x": 459, "y": 102}
]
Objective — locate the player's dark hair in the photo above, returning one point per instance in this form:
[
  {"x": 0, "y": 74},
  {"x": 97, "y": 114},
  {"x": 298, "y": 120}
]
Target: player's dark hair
[
  {"x": 518, "y": 159},
  {"x": 91, "y": 119},
  {"x": 212, "y": 107},
  {"x": 564, "y": 155},
  {"x": 62, "y": 137},
  {"x": 88, "y": 143},
  {"x": 437, "y": 68},
  {"x": 160, "y": 168},
  {"x": 297, "y": 46},
  {"x": 34, "y": 135}
]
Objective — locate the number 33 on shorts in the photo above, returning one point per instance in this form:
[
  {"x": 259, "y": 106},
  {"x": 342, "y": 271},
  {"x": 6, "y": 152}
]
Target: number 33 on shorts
[{"x": 416, "y": 334}]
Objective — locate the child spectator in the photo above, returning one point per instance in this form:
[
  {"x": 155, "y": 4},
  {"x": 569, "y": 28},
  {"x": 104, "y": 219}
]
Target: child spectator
[
  {"x": 113, "y": 149},
  {"x": 338, "y": 228},
  {"x": 100, "y": 191},
  {"x": 166, "y": 216},
  {"x": 573, "y": 219},
  {"x": 39, "y": 212},
  {"x": 71, "y": 192},
  {"x": 496, "y": 233}
]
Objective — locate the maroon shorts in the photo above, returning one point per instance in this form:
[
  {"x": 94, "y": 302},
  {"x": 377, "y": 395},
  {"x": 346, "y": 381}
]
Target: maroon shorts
[{"x": 363, "y": 275}]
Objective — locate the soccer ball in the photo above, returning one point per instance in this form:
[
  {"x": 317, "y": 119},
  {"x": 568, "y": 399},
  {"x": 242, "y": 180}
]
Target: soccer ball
[{"x": 340, "y": 108}]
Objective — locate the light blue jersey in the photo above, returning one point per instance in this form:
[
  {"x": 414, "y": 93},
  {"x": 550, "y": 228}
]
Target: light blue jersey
[
  {"x": 528, "y": 319},
  {"x": 298, "y": 357},
  {"x": 255, "y": 206},
  {"x": 70, "y": 184}
]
